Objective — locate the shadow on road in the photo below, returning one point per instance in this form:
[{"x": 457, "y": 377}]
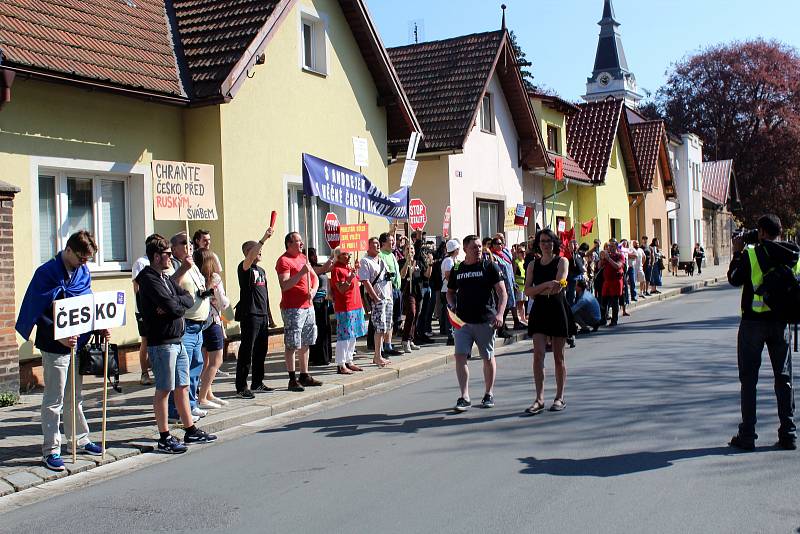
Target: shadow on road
[{"x": 619, "y": 464}]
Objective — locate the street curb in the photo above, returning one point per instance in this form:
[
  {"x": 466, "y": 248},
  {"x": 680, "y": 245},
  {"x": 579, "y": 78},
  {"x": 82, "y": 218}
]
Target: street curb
[{"x": 439, "y": 356}]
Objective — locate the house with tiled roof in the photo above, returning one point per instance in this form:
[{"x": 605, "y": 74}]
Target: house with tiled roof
[
  {"x": 720, "y": 197},
  {"x": 649, "y": 207},
  {"x": 93, "y": 91},
  {"x": 599, "y": 139},
  {"x": 481, "y": 141},
  {"x": 560, "y": 197}
]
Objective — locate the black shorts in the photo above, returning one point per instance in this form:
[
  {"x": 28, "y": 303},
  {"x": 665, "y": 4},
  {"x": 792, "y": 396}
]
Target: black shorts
[
  {"x": 213, "y": 339},
  {"x": 140, "y": 325}
]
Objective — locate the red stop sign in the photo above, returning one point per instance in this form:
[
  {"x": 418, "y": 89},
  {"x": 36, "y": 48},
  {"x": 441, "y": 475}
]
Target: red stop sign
[
  {"x": 417, "y": 214},
  {"x": 332, "y": 235}
]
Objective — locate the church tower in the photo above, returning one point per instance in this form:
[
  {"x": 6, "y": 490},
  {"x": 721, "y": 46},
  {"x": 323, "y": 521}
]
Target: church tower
[{"x": 611, "y": 76}]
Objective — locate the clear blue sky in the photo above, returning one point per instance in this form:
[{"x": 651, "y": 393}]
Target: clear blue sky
[{"x": 560, "y": 36}]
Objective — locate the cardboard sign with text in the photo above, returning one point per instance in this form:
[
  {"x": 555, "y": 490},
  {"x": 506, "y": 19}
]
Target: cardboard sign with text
[
  {"x": 183, "y": 191},
  {"x": 78, "y": 315},
  {"x": 354, "y": 237}
]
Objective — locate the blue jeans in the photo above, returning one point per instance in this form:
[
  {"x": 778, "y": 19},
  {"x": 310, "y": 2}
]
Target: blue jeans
[
  {"x": 632, "y": 283},
  {"x": 397, "y": 310},
  {"x": 571, "y": 283},
  {"x": 193, "y": 343}
]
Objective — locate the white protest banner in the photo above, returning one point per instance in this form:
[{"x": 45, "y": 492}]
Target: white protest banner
[
  {"x": 409, "y": 171},
  {"x": 78, "y": 315},
  {"x": 413, "y": 145},
  {"x": 361, "y": 152},
  {"x": 73, "y": 316},
  {"x": 183, "y": 191},
  {"x": 109, "y": 310}
]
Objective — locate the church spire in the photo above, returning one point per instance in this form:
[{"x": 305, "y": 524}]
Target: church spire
[{"x": 611, "y": 75}]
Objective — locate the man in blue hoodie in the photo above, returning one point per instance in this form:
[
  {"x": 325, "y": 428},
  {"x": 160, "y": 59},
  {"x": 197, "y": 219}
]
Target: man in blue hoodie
[{"x": 64, "y": 276}]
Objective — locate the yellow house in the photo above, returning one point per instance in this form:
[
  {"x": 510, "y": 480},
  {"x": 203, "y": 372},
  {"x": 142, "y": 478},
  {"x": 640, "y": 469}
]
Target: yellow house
[
  {"x": 599, "y": 139},
  {"x": 560, "y": 199},
  {"x": 248, "y": 90}
]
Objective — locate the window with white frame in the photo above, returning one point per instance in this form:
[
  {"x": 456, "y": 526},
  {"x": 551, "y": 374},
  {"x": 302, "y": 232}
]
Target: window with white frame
[
  {"x": 312, "y": 44},
  {"x": 487, "y": 114},
  {"x": 307, "y": 216},
  {"x": 72, "y": 201},
  {"x": 488, "y": 217}
]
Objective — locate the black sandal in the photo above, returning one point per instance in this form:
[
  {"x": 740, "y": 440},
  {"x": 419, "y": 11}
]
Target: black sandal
[{"x": 535, "y": 408}]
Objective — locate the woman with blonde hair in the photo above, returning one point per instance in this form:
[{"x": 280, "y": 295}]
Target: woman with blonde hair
[
  {"x": 213, "y": 333},
  {"x": 349, "y": 309}
]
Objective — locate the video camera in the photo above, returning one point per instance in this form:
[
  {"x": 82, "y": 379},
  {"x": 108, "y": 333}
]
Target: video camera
[{"x": 750, "y": 237}]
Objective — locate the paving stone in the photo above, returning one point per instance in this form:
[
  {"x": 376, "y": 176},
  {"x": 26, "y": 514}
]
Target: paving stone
[
  {"x": 23, "y": 480},
  {"x": 119, "y": 453},
  {"x": 6, "y": 488},
  {"x": 46, "y": 474},
  {"x": 79, "y": 465}
]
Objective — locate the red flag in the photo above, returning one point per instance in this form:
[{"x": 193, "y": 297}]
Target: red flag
[
  {"x": 566, "y": 237},
  {"x": 559, "y": 172},
  {"x": 586, "y": 228}
]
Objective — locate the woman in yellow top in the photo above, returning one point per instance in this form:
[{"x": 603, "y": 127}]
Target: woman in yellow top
[{"x": 519, "y": 281}]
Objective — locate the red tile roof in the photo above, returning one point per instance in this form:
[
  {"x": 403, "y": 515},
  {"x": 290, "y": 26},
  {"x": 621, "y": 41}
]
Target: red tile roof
[
  {"x": 572, "y": 170},
  {"x": 105, "y": 41},
  {"x": 590, "y": 139},
  {"x": 196, "y": 51},
  {"x": 647, "y": 137},
  {"x": 717, "y": 177},
  {"x": 445, "y": 82}
]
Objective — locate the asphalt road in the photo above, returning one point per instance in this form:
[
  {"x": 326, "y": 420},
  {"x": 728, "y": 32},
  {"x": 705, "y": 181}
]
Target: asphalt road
[{"x": 640, "y": 448}]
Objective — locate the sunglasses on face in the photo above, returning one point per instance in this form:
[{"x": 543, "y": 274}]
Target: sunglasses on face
[{"x": 168, "y": 253}]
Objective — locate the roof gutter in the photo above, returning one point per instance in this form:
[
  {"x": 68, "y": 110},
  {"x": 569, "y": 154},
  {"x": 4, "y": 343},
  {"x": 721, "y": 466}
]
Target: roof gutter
[{"x": 86, "y": 84}]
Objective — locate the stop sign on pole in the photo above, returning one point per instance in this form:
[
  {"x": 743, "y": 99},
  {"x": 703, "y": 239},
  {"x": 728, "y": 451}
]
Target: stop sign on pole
[
  {"x": 417, "y": 214},
  {"x": 332, "y": 230}
]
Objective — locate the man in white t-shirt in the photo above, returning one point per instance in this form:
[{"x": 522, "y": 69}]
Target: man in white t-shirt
[
  {"x": 453, "y": 248},
  {"x": 377, "y": 281},
  {"x": 144, "y": 361},
  {"x": 638, "y": 262},
  {"x": 629, "y": 253}
]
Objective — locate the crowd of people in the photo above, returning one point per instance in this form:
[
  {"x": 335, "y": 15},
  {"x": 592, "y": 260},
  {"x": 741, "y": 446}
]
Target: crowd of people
[{"x": 554, "y": 289}]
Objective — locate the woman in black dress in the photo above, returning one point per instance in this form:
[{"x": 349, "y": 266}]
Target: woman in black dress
[{"x": 545, "y": 282}]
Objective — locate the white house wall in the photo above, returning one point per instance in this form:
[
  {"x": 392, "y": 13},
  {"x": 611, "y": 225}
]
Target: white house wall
[{"x": 488, "y": 169}]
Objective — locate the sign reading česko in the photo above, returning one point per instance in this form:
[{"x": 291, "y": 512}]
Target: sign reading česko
[
  {"x": 183, "y": 191},
  {"x": 85, "y": 313}
]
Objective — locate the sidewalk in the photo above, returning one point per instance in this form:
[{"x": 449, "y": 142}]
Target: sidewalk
[{"x": 131, "y": 428}]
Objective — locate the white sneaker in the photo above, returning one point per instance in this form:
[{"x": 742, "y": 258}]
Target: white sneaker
[
  {"x": 413, "y": 347},
  {"x": 221, "y": 402},
  {"x": 177, "y": 420},
  {"x": 209, "y": 405},
  {"x": 198, "y": 412},
  {"x": 406, "y": 346}
]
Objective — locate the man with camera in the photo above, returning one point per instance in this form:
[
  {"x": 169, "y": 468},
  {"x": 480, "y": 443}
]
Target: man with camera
[
  {"x": 756, "y": 253},
  {"x": 378, "y": 282}
]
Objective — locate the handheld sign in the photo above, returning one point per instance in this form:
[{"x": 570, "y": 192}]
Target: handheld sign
[
  {"x": 360, "y": 152},
  {"x": 183, "y": 191},
  {"x": 73, "y": 316},
  {"x": 417, "y": 214},
  {"x": 409, "y": 171},
  {"x": 332, "y": 235},
  {"x": 109, "y": 310},
  {"x": 354, "y": 237},
  {"x": 446, "y": 223}
]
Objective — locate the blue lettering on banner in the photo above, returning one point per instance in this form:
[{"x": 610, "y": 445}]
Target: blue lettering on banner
[{"x": 349, "y": 189}]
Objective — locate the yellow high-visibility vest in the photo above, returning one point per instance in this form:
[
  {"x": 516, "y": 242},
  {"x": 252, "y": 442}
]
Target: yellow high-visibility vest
[{"x": 757, "y": 278}]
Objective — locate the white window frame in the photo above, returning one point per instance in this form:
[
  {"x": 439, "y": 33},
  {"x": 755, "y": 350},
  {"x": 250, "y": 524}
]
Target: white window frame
[
  {"x": 557, "y": 131},
  {"x": 487, "y": 119},
  {"x": 498, "y": 206},
  {"x": 102, "y": 170},
  {"x": 319, "y": 42},
  {"x": 62, "y": 234},
  {"x": 291, "y": 184}
]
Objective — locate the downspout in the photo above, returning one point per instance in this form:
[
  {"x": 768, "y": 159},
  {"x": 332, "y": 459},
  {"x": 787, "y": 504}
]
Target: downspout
[
  {"x": 6, "y": 81},
  {"x": 554, "y": 196},
  {"x": 635, "y": 204}
]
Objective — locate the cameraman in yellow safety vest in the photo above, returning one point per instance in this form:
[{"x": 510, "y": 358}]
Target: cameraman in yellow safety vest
[{"x": 752, "y": 258}]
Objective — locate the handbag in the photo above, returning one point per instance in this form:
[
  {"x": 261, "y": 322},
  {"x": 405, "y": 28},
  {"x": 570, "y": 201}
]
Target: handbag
[{"x": 90, "y": 360}]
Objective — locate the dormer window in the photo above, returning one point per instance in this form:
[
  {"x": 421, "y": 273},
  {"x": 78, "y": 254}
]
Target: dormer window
[
  {"x": 487, "y": 114},
  {"x": 553, "y": 136},
  {"x": 312, "y": 44}
]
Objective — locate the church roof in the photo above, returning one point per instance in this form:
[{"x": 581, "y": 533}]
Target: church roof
[{"x": 610, "y": 55}]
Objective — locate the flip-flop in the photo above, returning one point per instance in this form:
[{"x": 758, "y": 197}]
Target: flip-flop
[
  {"x": 558, "y": 405},
  {"x": 535, "y": 408}
]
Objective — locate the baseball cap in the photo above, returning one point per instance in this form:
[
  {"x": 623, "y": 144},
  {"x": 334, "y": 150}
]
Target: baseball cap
[{"x": 453, "y": 245}]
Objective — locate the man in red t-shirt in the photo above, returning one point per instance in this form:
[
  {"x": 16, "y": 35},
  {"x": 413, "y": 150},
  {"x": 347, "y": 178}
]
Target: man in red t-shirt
[{"x": 298, "y": 283}]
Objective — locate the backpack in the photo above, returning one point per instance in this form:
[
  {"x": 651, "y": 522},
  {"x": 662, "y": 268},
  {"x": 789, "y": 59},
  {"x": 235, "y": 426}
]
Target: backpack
[{"x": 781, "y": 292}]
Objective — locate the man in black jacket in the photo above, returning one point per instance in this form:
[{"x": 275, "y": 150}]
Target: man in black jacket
[
  {"x": 760, "y": 326},
  {"x": 162, "y": 304}
]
